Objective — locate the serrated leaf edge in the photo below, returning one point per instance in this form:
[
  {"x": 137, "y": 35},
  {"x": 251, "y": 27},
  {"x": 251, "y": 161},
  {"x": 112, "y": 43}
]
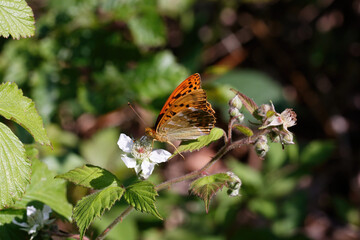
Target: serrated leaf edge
[{"x": 97, "y": 215}]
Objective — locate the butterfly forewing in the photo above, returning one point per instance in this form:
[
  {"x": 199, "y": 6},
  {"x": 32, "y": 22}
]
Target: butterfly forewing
[{"x": 187, "y": 86}]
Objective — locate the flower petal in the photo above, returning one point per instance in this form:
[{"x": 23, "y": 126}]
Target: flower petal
[
  {"x": 159, "y": 156},
  {"x": 21, "y": 224},
  {"x": 129, "y": 161},
  {"x": 46, "y": 212},
  {"x": 33, "y": 229},
  {"x": 30, "y": 210},
  {"x": 146, "y": 169},
  {"x": 125, "y": 143}
]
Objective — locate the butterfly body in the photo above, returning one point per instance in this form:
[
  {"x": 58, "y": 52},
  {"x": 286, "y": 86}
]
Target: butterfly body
[{"x": 186, "y": 114}]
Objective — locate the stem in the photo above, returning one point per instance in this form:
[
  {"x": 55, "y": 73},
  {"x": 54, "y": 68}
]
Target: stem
[
  {"x": 116, "y": 221},
  {"x": 193, "y": 174},
  {"x": 230, "y": 125}
]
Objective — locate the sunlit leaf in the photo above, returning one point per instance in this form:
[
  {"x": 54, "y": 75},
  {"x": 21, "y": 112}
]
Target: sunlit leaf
[
  {"x": 15, "y": 168},
  {"x": 46, "y": 189},
  {"x": 16, "y": 19},
  {"x": 206, "y": 187},
  {"x": 190, "y": 146},
  {"x": 148, "y": 29},
  {"x": 156, "y": 76},
  {"x": 141, "y": 196},
  {"x": 244, "y": 130},
  {"x": 14, "y": 106},
  {"x": 94, "y": 205},
  {"x": 90, "y": 176}
]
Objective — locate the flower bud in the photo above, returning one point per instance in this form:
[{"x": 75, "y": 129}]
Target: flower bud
[
  {"x": 288, "y": 138},
  {"x": 261, "y": 146},
  {"x": 261, "y": 112},
  {"x": 240, "y": 118},
  {"x": 234, "y": 186},
  {"x": 234, "y": 112},
  {"x": 236, "y": 102}
]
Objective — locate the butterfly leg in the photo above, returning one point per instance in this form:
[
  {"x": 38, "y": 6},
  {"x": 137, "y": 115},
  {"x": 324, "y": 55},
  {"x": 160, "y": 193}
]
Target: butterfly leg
[{"x": 176, "y": 149}]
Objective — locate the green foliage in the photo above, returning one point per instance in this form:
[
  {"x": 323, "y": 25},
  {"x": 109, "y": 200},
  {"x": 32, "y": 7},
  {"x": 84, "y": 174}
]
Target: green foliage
[
  {"x": 148, "y": 30},
  {"x": 316, "y": 152},
  {"x": 141, "y": 196},
  {"x": 16, "y": 18},
  {"x": 90, "y": 176},
  {"x": 156, "y": 76},
  {"x": 244, "y": 130},
  {"x": 206, "y": 187},
  {"x": 15, "y": 168},
  {"x": 46, "y": 189},
  {"x": 14, "y": 106},
  {"x": 190, "y": 146},
  {"x": 94, "y": 205},
  {"x": 7, "y": 215},
  {"x": 127, "y": 229}
]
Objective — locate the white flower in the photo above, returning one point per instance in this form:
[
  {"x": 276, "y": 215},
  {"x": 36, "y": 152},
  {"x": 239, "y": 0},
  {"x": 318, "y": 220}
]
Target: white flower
[
  {"x": 139, "y": 155},
  {"x": 286, "y": 119},
  {"x": 279, "y": 123},
  {"x": 36, "y": 220}
]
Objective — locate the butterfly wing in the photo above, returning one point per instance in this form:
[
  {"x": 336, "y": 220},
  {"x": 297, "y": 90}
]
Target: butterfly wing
[
  {"x": 190, "y": 84},
  {"x": 190, "y": 116}
]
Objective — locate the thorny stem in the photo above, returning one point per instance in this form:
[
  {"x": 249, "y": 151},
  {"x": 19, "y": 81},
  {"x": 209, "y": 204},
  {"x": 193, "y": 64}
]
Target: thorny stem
[{"x": 227, "y": 147}]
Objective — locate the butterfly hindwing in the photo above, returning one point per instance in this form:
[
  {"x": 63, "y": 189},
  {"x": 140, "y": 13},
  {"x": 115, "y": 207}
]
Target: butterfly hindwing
[
  {"x": 188, "y": 124},
  {"x": 190, "y": 116}
]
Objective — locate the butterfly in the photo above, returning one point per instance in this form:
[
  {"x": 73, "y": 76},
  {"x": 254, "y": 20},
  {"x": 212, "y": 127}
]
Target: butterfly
[{"x": 186, "y": 114}]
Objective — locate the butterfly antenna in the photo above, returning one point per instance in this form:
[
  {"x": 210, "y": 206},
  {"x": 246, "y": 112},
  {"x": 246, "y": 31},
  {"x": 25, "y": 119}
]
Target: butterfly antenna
[
  {"x": 176, "y": 149},
  {"x": 137, "y": 114}
]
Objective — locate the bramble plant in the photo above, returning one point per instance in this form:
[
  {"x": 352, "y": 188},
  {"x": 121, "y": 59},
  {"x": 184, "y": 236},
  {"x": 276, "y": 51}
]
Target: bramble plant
[
  {"x": 30, "y": 192},
  {"x": 138, "y": 154}
]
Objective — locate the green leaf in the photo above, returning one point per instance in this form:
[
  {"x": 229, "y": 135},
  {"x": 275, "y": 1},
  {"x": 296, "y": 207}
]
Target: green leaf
[
  {"x": 14, "y": 106},
  {"x": 148, "y": 29},
  {"x": 16, "y": 18},
  {"x": 265, "y": 207},
  {"x": 248, "y": 103},
  {"x": 244, "y": 130},
  {"x": 200, "y": 142},
  {"x": 94, "y": 205},
  {"x": 317, "y": 152},
  {"x": 141, "y": 196},
  {"x": 7, "y": 215},
  {"x": 207, "y": 186},
  {"x": 45, "y": 188},
  {"x": 90, "y": 176},
  {"x": 15, "y": 168}
]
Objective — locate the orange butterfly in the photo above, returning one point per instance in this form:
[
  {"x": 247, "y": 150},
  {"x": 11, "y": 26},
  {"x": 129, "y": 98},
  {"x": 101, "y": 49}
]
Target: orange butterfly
[{"x": 185, "y": 115}]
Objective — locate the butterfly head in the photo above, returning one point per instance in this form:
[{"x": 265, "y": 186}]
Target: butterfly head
[{"x": 150, "y": 132}]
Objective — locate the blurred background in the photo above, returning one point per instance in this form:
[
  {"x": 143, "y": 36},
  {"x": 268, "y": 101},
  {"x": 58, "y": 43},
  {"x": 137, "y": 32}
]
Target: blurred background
[{"x": 90, "y": 58}]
